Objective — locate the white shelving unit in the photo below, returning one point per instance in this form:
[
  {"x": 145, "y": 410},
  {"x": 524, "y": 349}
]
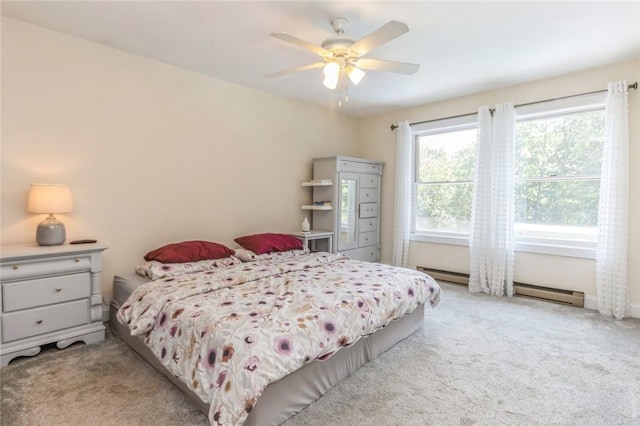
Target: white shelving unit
[
  {"x": 318, "y": 183},
  {"x": 322, "y": 193}
]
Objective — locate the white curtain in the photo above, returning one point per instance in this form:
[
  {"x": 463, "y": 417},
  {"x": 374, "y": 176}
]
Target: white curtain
[
  {"x": 402, "y": 205},
  {"x": 613, "y": 211},
  {"x": 491, "y": 244}
]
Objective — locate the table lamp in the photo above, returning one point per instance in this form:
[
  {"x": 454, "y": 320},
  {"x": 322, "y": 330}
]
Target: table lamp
[{"x": 50, "y": 199}]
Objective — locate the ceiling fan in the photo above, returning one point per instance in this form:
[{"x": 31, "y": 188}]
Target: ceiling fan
[{"x": 342, "y": 56}]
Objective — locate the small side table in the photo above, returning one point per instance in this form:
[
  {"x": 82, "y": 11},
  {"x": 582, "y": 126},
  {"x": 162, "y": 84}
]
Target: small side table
[{"x": 310, "y": 239}]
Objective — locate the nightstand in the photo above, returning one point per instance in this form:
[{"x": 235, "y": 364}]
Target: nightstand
[
  {"x": 49, "y": 294},
  {"x": 309, "y": 240}
]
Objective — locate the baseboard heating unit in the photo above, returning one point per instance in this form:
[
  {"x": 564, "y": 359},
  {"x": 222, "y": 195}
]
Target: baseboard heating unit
[{"x": 565, "y": 297}]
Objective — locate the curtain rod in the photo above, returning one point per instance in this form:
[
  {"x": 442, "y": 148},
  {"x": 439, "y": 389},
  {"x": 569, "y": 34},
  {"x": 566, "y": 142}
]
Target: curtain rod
[{"x": 629, "y": 87}]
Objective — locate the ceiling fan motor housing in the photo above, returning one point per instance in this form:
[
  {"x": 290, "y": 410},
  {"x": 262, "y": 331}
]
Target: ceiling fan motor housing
[{"x": 339, "y": 44}]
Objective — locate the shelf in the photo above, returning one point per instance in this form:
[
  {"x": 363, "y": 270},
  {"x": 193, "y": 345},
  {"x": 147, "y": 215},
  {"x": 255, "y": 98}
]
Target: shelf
[
  {"x": 318, "y": 183},
  {"x": 311, "y": 207}
]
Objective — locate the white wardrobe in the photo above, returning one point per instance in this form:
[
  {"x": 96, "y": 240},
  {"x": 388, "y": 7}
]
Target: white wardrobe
[{"x": 346, "y": 202}]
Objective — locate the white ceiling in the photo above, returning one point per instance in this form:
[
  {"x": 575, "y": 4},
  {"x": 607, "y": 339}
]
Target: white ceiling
[{"x": 462, "y": 47}]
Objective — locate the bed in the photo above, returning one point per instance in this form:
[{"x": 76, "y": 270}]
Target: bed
[{"x": 255, "y": 342}]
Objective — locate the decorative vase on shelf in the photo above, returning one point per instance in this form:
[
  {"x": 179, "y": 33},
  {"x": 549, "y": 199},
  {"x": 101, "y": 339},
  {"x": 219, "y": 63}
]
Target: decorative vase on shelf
[{"x": 306, "y": 228}]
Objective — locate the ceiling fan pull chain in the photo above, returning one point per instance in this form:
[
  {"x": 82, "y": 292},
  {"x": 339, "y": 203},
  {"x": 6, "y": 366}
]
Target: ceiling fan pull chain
[{"x": 343, "y": 95}]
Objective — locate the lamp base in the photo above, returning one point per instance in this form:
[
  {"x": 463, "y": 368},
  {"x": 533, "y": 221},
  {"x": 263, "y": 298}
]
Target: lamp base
[{"x": 51, "y": 232}]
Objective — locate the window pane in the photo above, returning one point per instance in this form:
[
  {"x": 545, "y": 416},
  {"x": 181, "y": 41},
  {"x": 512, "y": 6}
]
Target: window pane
[
  {"x": 561, "y": 203},
  {"x": 566, "y": 145},
  {"x": 444, "y": 207},
  {"x": 447, "y": 156}
]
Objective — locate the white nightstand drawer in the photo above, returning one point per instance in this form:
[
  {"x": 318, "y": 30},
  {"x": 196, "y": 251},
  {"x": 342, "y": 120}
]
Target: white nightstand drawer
[
  {"x": 19, "y": 325},
  {"x": 43, "y": 267},
  {"x": 45, "y": 291}
]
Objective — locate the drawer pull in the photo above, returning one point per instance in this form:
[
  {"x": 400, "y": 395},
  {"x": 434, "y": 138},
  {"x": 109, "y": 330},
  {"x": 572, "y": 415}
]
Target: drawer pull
[
  {"x": 16, "y": 266},
  {"x": 77, "y": 259},
  {"x": 39, "y": 321},
  {"x": 58, "y": 289}
]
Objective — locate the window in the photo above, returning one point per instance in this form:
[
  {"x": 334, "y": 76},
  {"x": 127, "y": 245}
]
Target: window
[
  {"x": 557, "y": 172},
  {"x": 444, "y": 187},
  {"x": 444, "y": 172},
  {"x": 558, "y": 157}
]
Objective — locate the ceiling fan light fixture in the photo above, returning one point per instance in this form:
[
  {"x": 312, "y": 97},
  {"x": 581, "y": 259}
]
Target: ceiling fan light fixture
[
  {"x": 355, "y": 74},
  {"x": 343, "y": 58},
  {"x": 331, "y": 75}
]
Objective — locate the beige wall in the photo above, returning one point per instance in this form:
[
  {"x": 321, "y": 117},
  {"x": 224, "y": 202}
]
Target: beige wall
[
  {"x": 154, "y": 153},
  {"x": 376, "y": 141}
]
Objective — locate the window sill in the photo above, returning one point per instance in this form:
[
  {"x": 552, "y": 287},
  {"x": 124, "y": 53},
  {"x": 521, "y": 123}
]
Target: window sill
[
  {"x": 559, "y": 249},
  {"x": 451, "y": 239}
]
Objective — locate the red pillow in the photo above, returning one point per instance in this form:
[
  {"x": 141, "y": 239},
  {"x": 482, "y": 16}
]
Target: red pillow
[
  {"x": 188, "y": 251},
  {"x": 267, "y": 243}
]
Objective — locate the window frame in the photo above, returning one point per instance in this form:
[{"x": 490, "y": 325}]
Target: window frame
[
  {"x": 434, "y": 127},
  {"x": 536, "y": 110},
  {"x": 549, "y": 109}
]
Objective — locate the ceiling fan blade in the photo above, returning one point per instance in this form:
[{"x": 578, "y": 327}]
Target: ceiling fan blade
[
  {"x": 296, "y": 69},
  {"x": 385, "y": 33},
  {"x": 386, "y": 66},
  {"x": 304, "y": 44}
]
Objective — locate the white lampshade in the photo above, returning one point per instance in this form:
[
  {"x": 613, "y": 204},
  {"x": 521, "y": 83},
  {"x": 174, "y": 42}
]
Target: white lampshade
[
  {"x": 355, "y": 74},
  {"x": 49, "y": 198},
  {"x": 331, "y": 75}
]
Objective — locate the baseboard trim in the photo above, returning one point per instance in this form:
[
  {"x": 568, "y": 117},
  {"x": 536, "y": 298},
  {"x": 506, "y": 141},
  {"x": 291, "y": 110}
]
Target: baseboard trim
[
  {"x": 105, "y": 313},
  {"x": 548, "y": 294},
  {"x": 590, "y": 302}
]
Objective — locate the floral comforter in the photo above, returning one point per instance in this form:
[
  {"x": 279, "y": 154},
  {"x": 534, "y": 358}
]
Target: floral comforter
[{"x": 228, "y": 333}]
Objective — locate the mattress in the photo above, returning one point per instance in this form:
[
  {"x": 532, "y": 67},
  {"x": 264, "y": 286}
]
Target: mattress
[{"x": 290, "y": 395}]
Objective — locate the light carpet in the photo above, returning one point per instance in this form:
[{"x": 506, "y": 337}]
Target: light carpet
[{"x": 478, "y": 360}]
